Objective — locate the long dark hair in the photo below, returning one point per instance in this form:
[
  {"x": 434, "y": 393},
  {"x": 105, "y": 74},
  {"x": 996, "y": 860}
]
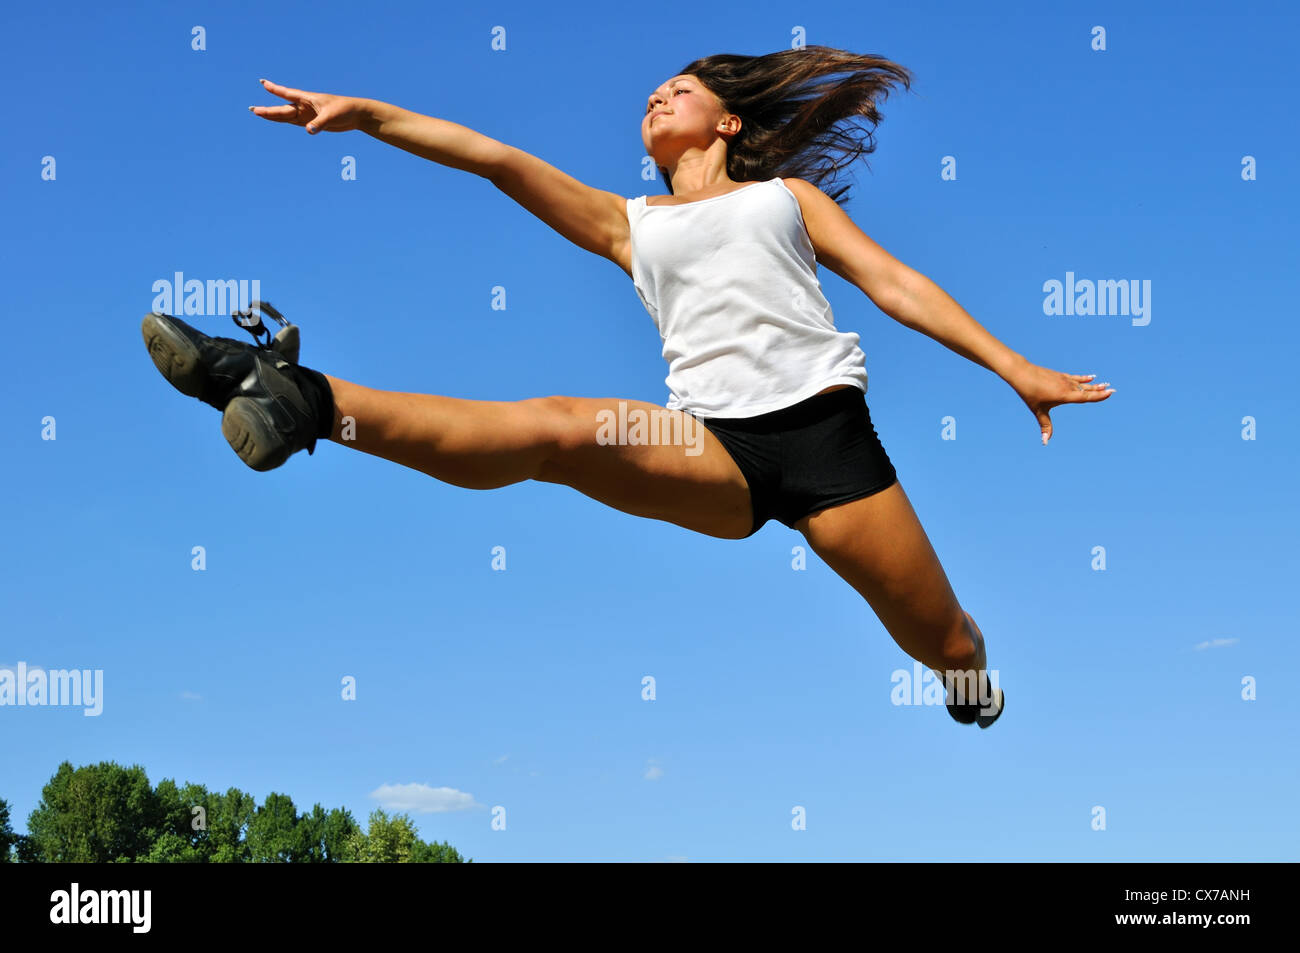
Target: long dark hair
[{"x": 791, "y": 110}]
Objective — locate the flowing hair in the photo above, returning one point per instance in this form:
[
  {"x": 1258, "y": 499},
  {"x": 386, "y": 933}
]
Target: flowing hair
[{"x": 791, "y": 110}]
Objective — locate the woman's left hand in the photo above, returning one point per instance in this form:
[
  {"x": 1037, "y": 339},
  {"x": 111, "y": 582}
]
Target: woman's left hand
[{"x": 1042, "y": 389}]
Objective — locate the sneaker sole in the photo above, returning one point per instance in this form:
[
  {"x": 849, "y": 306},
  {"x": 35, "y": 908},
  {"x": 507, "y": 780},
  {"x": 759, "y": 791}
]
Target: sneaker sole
[
  {"x": 253, "y": 435},
  {"x": 176, "y": 358}
]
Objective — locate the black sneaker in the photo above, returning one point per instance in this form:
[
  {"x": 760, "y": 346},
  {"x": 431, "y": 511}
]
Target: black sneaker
[
  {"x": 973, "y": 712},
  {"x": 272, "y": 407},
  {"x": 999, "y": 702},
  {"x": 197, "y": 365}
]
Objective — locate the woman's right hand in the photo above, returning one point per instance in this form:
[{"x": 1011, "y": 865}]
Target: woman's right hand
[{"x": 319, "y": 112}]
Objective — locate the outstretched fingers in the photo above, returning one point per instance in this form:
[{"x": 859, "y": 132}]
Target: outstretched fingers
[
  {"x": 302, "y": 110},
  {"x": 276, "y": 113},
  {"x": 284, "y": 92},
  {"x": 1084, "y": 393},
  {"x": 283, "y": 113}
]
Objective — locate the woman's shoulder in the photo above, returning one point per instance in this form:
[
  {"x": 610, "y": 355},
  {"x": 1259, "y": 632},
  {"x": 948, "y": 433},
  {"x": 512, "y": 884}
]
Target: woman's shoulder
[{"x": 798, "y": 186}]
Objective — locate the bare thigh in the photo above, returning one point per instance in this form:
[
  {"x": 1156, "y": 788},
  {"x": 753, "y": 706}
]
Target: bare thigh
[
  {"x": 693, "y": 483},
  {"x": 878, "y": 546}
]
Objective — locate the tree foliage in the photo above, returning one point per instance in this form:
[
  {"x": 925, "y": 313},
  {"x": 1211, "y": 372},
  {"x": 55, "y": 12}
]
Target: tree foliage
[
  {"x": 8, "y": 841},
  {"x": 393, "y": 840},
  {"x": 105, "y": 813}
]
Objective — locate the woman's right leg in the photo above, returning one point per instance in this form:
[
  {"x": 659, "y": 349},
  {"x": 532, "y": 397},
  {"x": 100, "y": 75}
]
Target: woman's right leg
[{"x": 484, "y": 444}]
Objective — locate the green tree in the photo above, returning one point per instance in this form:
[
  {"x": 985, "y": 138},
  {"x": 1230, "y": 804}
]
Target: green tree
[
  {"x": 336, "y": 839},
  {"x": 7, "y": 838},
  {"x": 435, "y": 853},
  {"x": 389, "y": 840},
  {"x": 25, "y": 851},
  {"x": 392, "y": 840},
  {"x": 105, "y": 813},
  {"x": 325, "y": 837},
  {"x": 229, "y": 816},
  {"x": 272, "y": 835},
  {"x": 180, "y": 836},
  {"x": 98, "y": 813}
]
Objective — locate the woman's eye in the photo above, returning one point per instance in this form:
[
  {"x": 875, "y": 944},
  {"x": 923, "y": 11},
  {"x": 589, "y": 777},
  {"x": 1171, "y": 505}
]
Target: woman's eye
[{"x": 650, "y": 109}]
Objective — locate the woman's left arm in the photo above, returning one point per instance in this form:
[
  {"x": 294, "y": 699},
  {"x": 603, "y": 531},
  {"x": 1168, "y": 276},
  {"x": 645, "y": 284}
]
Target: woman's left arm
[
  {"x": 916, "y": 302},
  {"x": 922, "y": 305}
]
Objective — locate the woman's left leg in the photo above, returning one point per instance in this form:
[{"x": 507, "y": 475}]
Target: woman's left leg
[{"x": 877, "y": 545}]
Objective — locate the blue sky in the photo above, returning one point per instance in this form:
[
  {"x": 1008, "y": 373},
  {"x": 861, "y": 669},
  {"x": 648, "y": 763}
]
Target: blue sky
[{"x": 522, "y": 689}]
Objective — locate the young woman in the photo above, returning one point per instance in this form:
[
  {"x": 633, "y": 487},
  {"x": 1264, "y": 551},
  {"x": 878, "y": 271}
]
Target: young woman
[{"x": 725, "y": 264}]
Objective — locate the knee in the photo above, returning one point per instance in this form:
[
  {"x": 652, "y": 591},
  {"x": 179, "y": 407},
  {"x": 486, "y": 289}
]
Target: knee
[
  {"x": 559, "y": 432},
  {"x": 963, "y": 648},
  {"x": 560, "y": 420}
]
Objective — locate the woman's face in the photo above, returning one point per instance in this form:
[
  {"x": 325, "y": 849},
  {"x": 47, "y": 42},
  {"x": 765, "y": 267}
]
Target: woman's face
[{"x": 680, "y": 113}]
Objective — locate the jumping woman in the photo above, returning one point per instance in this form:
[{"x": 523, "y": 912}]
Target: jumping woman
[{"x": 725, "y": 264}]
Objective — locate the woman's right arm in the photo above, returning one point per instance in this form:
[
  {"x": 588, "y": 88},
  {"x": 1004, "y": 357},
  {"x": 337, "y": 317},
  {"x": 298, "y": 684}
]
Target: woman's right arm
[{"x": 593, "y": 219}]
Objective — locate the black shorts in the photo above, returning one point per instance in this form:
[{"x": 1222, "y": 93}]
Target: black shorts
[{"x": 817, "y": 453}]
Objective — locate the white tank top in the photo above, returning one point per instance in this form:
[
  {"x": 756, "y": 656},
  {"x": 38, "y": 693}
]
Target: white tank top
[{"x": 731, "y": 283}]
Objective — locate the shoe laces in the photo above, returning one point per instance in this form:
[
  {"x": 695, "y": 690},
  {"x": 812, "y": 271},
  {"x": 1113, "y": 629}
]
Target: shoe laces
[{"x": 285, "y": 341}]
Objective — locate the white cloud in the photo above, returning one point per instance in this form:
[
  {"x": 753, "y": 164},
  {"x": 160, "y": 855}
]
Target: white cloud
[
  {"x": 500, "y": 760},
  {"x": 654, "y": 772},
  {"x": 1215, "y": 643},
  {"x": 422, "y": 799},
  {"x": 191, "y": 696}
]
